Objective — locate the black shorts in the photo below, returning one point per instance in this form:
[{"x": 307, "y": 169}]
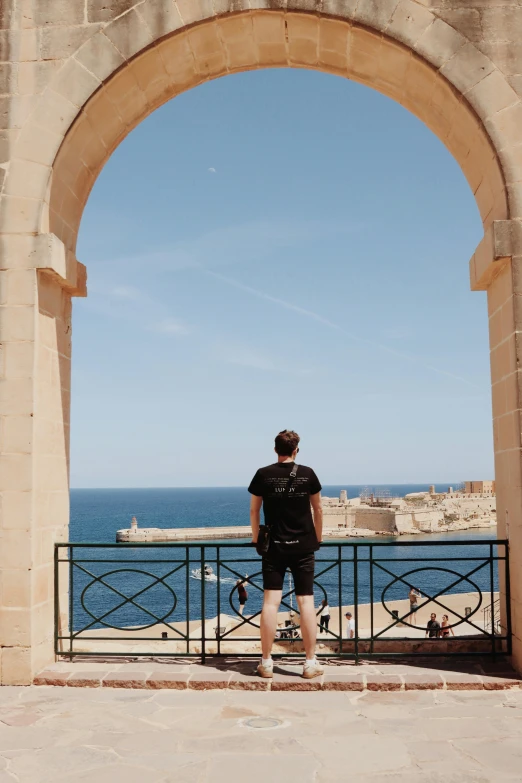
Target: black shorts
[{"x": 301, "y": 565}]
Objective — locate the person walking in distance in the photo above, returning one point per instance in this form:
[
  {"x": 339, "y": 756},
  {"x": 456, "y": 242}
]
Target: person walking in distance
[
  {"x": 350, "y": 626},
  {"x": 414, "y": 596},
  {"x": 445, "y": 628},
  {"x": 433, "y": 627},
  {"x": 325, "y": 615},
  {"x": 288, "y": 493},
  {"x": 241, "y": 594}
]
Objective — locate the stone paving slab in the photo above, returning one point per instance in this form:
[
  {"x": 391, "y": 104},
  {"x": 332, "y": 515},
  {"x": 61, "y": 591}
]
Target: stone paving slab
[
  {"x": 238, "y": 674},
  {"x": 106, "y": 735}
]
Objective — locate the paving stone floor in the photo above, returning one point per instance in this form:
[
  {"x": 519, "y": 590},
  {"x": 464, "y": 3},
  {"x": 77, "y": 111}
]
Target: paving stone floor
[{"x": 109, "y": 735}]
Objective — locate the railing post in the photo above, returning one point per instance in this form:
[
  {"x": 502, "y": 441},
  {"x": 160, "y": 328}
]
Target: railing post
[
  {"x": 492, "y": 599},
  {"x": 507, "y": 587},
  {"x": 71, "y": 597},
  {"x": 56, "y": 601},
  {"x": 371, "y": 599},
  {"x": 187, "y": 601},
  {"x": 203, "y": 612},
  {"x": 340, "y": 580},
  {"x": 356, "y": 602},
  {"x": 218, "y": 632}
]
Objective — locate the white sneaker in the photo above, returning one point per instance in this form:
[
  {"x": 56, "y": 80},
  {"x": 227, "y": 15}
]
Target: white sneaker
[
  {"x": 265, "y": 670},
  {"x": 311, "y": 670}
]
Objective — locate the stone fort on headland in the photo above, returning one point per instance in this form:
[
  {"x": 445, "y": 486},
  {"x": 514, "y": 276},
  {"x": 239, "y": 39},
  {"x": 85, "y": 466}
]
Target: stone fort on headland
[{"x": 76, "y": 76}]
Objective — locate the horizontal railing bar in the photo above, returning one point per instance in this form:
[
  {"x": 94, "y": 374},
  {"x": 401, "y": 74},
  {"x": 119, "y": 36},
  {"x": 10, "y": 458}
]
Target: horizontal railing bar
[
  {"x": 318, "y": 560},
  {"x": 207, "y": 544}
]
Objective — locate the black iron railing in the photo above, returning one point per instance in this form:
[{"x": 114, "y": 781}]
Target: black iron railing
[{"x": 161, "y": 599}]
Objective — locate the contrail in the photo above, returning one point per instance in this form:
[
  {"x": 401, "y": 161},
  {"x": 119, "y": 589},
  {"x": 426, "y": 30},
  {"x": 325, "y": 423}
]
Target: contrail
[{"x": 331, "y": 325}]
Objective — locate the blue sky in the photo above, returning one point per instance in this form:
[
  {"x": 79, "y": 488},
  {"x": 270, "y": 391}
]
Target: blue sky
[{"x": 280, "y": 249}]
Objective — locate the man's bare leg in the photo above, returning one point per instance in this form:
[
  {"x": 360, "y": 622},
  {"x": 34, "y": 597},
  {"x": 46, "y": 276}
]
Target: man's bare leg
[
  {"x": 308, "y": 624},
  {"x": 271, "y": 602}
]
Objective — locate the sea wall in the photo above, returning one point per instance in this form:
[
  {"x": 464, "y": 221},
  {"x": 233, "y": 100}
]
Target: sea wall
[{"x": 381, "y": 520}]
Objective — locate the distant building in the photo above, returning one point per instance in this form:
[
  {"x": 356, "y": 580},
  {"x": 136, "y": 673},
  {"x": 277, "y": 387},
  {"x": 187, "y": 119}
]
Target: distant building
[{"x": 479, "y": 487}]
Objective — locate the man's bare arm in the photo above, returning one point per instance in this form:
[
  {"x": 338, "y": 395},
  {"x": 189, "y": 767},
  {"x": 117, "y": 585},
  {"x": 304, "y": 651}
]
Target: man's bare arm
[
  {"x": 317, "y": 508},
  {"x": 255, "y": 516}
]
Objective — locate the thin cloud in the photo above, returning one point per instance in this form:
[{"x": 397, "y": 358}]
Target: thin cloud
[
  {"x": 169, "y": 326},
  {"x": 246, "y": 356},
  {"x": 212, "y": 170},
  {"x": 127, "y": 292},
  {"x": 335, "y": 327},
  {"x": 246, "y": 243}
]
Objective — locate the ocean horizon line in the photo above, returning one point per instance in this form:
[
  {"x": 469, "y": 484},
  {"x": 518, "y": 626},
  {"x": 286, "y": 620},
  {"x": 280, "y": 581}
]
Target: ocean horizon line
[{"x": 370, "y": 484}]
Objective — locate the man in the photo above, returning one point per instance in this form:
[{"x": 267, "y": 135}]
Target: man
[
  {"x": 433, "y": 627},
  {"x": 295, "y": 536},
  {"x": 350, "y": 626}
]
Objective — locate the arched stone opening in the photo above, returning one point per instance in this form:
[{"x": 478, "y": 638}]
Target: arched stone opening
[
  {"x": 126, "y": 69},
  {"x": 261, "y": 40}
]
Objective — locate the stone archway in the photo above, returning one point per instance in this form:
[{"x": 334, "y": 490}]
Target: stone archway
[{"x": 81, "y": 75}]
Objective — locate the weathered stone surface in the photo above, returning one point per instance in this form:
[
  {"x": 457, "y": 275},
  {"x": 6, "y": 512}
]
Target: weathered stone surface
[
  {"x": 205, "y": 681},
  {"x": 107, "y": 10},
  {"x": 85, "y": 679},
  {"x": 58, "y": 12},
  {"x": 174, "y": 680},
  {"x": 51, "y": 678},
  {"x": 125, "y": 680},
  {"x": 422, "y": 682},
  {"x": 463, "y": 682},
  {"x": 383, "y": 682},
  {"x": 343, "y": 682},
  {"x": 61, "y": 42}
]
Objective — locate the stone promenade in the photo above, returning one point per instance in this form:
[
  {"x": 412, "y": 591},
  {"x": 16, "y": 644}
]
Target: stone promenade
[
  {"x": 237, "y": 674},
  {"x": 118, "y": 735}
]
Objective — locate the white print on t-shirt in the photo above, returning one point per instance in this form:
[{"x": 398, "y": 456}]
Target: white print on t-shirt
[{"x": 279, "y": 484}]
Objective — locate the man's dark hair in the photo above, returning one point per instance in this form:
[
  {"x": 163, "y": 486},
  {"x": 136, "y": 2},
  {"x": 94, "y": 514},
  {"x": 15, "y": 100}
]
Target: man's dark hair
[{"x": 286, "y": 443}]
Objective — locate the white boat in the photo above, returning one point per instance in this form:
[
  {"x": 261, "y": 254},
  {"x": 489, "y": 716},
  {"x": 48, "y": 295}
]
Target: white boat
[{"x": 208, "y": 572}]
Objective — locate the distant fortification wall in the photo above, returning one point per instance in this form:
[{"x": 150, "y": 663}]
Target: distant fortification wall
[{"x": 380, "y": 519}]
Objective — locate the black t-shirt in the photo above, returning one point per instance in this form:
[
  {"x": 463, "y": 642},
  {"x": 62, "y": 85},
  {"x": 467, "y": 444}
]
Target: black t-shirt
[
  {"x": 433, "y": 628},
  {"x": 287, "y": 509}
]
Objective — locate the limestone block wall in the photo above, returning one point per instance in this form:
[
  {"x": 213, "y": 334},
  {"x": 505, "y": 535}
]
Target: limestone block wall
[
  {"x": 335, "y": 516},
  {"x": 379, "y": 519},
  {"x": 76, "y": 76}
]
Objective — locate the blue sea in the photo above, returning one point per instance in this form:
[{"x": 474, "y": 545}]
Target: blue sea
[
  {"x": 96, "y": 514},
  {"x": 167, "y": 587}
]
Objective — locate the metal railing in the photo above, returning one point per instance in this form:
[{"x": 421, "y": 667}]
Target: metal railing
[
  {"x": 492, "y": 616},
  {"x": 149, "y": 600}
]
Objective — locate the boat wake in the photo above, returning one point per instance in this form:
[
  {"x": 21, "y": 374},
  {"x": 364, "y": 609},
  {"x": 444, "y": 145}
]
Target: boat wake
[{"x": 210, "y": 576}]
